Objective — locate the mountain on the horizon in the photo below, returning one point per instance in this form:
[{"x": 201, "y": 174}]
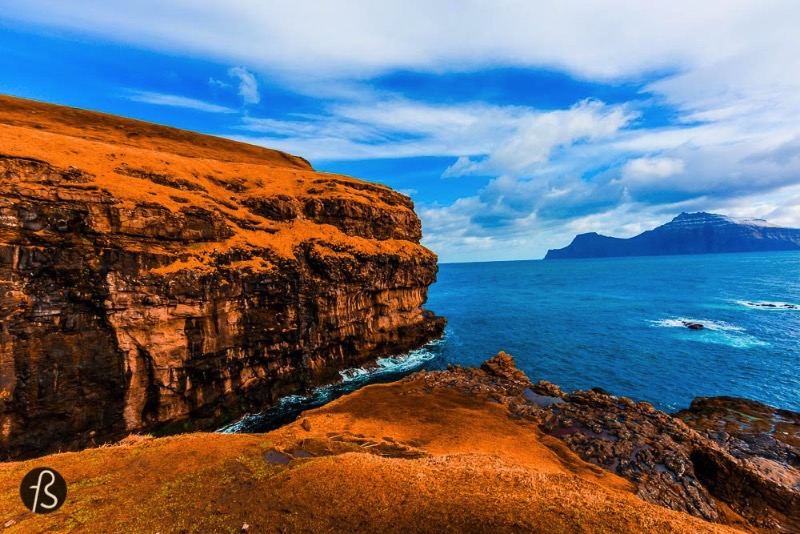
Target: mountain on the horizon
[{"x": 688, "y": 233}]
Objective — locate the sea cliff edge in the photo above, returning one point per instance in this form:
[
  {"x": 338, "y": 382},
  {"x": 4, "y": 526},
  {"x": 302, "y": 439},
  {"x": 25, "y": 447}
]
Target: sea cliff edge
[{"x": 158, "y": 279}]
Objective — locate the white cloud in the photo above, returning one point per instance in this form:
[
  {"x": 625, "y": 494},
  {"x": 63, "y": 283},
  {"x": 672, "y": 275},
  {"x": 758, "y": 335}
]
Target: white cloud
[
  {"x": 248, "y": 85},
  {"x": 729, "y": 69},
  {"x": 728, "y": 58},
  {"x": 213, "y": 82},
  {"x": 161, "y": 99},
  {"x": 534, "y": 136},
  {"x": 647, "y": 168},
  {"x": 506, "y": 139},
  {"x": 592, "y": 39}
]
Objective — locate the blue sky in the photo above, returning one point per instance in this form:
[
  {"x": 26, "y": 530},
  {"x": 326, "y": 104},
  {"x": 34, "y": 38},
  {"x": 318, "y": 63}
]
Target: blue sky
[{"x": 513, "y": 126}]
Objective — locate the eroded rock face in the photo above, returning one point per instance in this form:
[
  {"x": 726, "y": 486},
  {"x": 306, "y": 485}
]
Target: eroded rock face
[
  {"x": 670, "y": 462},
  {"x": 141, "y": 288}
]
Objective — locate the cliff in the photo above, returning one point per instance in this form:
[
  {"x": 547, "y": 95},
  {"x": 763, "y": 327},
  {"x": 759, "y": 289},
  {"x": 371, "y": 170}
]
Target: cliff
[
  {"x": 153, "y": 277},
  {"x": 461, "y": 450},
  {"x": 688, "y": 233}
]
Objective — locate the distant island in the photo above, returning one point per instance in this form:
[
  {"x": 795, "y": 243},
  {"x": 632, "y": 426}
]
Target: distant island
[{"x": 688, "y": 233}]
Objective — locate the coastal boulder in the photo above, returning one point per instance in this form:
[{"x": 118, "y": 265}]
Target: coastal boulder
[{"x": 503, "y": 366}]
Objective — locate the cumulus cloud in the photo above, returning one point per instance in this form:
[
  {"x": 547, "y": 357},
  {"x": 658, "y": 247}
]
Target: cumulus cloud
[
  {"x": 456, "y": 235},
  {"x": 248, "y": 85},
  {"x": 535, "y": 135}
]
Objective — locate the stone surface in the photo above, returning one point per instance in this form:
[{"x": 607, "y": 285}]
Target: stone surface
[
  {"x": 768, "y": 438},
  {"x": 154, "y": 279}
]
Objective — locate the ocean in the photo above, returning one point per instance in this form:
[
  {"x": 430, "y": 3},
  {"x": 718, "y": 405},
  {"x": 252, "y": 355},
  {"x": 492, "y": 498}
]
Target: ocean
[
  {"x": 617, "y": 323},
  {"x": 614, "y": 323}
]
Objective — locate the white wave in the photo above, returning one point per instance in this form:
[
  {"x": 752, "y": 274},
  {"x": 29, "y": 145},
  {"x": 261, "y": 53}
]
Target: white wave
[
  {"x": 716, "y": 332},
  {"x": 392, "y": 364},
  {"x": 742, "y": 342},
  {"x": 291, "y": 399},
  {"x": 768, "y": 305},
  {"x": 235, "y": 427},
  {"x": 682, "y": 322},
  {"x": 352, "y": 379},
  {"x": 354, "y": 373}
]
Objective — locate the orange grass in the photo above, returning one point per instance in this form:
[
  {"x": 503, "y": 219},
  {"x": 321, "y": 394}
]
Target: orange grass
[
  {"x": 473, "y": 469},
  {"x": 221, "y": 174}
]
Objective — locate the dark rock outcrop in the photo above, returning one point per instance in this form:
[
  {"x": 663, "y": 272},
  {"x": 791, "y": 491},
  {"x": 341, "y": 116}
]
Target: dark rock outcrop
[
  {"x": 767, "y": 437},
  {"x": 143, "y": 288},
  {"x": 705, "y": 461},
  {"x": 688, "y": 233}
]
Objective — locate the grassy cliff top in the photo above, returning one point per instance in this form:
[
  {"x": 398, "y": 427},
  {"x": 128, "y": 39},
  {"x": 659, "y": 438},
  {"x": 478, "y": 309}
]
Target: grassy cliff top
[{"x": 261, "y": 194}]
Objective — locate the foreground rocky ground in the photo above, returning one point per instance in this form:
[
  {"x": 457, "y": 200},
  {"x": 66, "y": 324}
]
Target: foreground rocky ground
[
  {"x": 722, "y": 460},
  {"x": 476, "y": 450}
]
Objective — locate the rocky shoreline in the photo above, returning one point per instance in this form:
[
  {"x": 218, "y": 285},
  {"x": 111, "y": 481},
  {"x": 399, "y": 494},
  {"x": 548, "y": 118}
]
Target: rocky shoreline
[{"x": 721, "y": 460}]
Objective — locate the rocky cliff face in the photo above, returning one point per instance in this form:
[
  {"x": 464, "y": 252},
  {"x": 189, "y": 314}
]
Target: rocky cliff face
[
  {"x": 688, "y": 233},
  {"x": 152, "y": 277}
]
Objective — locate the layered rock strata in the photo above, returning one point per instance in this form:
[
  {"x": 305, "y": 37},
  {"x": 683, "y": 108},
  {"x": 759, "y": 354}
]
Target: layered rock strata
[
  {"x": 669, "y": 462},
  {"x": 152, "y": 277}
]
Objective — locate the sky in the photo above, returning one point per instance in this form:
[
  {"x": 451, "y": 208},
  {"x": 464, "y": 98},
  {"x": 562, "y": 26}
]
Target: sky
[{"x": 512, "y": 125}]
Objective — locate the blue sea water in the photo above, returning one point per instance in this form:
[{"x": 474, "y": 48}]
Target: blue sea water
[{"x": 615, "y": 323}]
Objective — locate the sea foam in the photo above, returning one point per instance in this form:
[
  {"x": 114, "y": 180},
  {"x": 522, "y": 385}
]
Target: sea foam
[
  {"x": 717, "y": 332},
  {"x": 681, "y": 322},
  {"x": 768, "y": 305},
  {"x": 290, "y": 407}
]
